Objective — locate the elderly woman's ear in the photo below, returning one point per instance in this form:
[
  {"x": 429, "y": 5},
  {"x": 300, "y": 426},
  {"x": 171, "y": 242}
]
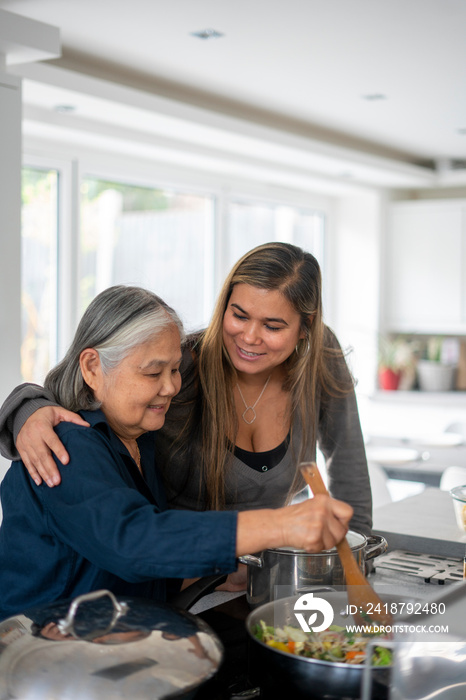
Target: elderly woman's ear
[{"x": 91, "y": 369}]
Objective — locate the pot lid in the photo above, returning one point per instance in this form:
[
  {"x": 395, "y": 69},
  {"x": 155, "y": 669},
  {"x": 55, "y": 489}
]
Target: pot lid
[
  {"x": 355, "y": 540},
  {"x": 105, "y": 648}
]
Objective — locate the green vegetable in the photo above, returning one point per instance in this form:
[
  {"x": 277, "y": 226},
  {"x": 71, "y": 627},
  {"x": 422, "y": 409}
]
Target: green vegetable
[
  {"x": 382, "y": 657},
  {"x": 258, "y": 632},
  {"x": 338, "y": 652}
]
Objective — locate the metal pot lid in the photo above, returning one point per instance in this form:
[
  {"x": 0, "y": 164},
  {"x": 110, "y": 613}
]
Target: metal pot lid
[
  {"x": 356, "y": 541},
  {"x": 105, "y": 648}
]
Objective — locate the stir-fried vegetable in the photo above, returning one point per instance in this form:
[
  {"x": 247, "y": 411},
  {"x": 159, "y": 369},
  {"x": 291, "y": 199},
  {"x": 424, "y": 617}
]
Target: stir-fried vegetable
[{"x": 335, "y": 644}]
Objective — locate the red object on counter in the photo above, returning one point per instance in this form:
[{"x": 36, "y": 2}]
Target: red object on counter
[{"x": 388, "y": 379}]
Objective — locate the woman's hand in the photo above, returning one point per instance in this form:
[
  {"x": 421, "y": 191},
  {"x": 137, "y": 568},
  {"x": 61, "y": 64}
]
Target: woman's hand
[
  {"x": 313, "y": 525},
  {"x": 37, "y": 440}
]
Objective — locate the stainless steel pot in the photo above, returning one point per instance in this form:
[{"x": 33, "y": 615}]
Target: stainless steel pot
[
  {"x": 294, "y": 676},
  {"x": 101, "y": 647},
  {"x": 277, "y": 573}
]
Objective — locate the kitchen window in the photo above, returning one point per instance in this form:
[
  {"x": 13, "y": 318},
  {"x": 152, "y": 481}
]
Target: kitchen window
[
  {"x": 84, "y": 233},
  {"x": 160, "y": 239},
  {"x": 253, "y": 223}
]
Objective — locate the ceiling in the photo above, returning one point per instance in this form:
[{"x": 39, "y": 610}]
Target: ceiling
[{"x": 384, "y": 78}]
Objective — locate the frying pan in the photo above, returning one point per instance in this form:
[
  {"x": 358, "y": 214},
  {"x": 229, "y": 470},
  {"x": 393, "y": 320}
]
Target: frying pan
[{"x": 303, "y": 677}]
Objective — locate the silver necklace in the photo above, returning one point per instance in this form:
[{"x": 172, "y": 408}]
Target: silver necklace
[{"x": 251, "y": 408}]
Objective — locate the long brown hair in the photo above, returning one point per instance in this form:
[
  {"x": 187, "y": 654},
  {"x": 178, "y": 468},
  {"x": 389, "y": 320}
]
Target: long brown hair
[{"x": 311, "y": 370}]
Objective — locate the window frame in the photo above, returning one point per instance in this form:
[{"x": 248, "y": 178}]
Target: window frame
[
  {"x": 64, "y": 324},
  {"x": 73, "y": 165}
]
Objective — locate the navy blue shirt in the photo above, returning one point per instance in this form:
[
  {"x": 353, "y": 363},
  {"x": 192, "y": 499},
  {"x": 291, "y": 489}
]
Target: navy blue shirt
[{"x": 104, "y": 526}]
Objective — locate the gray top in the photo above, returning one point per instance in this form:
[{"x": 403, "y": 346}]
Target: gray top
[{"x": 338, "y": 434}]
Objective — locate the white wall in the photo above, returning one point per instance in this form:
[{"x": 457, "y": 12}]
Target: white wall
[
  {"x": 354, "y": 276},
  {"x": 10, "y": 236},
  {"x": 10, "y": 241}
]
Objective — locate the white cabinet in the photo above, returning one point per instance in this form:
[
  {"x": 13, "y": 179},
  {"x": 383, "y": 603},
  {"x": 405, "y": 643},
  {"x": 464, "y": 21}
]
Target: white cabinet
[{"x": 425, "y": 267}]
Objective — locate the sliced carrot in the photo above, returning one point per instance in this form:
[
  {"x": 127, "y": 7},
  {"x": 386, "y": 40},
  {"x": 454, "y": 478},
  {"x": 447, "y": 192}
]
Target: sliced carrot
[
  {"x": 291, "y": 645},
  {"x": 353, "y": 654}
]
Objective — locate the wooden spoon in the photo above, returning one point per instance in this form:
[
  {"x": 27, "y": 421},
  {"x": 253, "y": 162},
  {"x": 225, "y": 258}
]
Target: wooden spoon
[{"x": 370, "y": 608}]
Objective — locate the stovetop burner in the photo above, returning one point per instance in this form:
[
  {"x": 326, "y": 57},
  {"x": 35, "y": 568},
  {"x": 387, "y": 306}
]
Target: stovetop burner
[{"x": 430, "y": 567}]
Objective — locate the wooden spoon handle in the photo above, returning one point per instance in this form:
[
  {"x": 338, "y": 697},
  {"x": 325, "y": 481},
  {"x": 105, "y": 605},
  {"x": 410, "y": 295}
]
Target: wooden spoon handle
[
  {"x": 313, "y": 478},
  {"x": 360, "y": 592},
  {"x": 353, "y": 573}
]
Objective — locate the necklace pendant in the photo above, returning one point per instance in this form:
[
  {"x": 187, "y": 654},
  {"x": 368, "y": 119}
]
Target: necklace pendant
[
  {"x": 251, "y": 408},
  {"x": 254, "y": 416}
]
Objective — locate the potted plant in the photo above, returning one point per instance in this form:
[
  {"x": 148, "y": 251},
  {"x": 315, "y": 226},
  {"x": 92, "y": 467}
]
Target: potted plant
[
  {"x": 434, "y": 374},
  {"x": 396, "y": 361}
]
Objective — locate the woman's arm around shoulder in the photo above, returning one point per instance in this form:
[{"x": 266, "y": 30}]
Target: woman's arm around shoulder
[
  {"x": 16, "y": 409},
  {"x": 27, "y": 418}
]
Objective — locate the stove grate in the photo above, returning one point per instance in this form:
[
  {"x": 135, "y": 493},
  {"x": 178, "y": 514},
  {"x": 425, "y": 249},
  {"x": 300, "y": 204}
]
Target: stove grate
[{"x": 430, "y": 567}]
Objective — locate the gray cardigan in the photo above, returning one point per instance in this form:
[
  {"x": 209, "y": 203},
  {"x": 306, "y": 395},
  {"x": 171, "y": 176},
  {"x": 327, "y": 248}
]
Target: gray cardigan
[{"x": 339, "y": 438}]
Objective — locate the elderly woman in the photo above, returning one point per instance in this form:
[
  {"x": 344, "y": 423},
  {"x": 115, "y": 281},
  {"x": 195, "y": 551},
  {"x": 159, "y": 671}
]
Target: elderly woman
[{"x": 106, "y": 525}]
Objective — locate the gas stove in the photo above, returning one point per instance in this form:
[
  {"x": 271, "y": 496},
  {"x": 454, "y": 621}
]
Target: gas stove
[{"x": 430, "y": 568}]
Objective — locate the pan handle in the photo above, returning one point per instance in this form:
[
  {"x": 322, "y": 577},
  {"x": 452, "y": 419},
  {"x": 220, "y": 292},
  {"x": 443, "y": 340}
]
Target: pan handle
[
  {"x": 375, "y": 546},
  {"x": 186, "y": 598}
]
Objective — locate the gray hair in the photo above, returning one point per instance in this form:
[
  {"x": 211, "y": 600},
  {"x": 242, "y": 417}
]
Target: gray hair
[{"x": 115, "y": 322}]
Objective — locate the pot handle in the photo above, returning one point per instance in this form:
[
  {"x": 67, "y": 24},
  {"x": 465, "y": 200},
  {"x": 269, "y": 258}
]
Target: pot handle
[
  {"x": 376, "y": 545},
  {"x": 66, "y": 625},
  {"x": 251, "y": 560}
]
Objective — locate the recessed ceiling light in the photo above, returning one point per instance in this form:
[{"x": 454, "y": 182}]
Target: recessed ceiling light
[
  {"x": 65, "y": 109},
  {"x": 207, "y": 34},
  {"x": 374, "y": 96}
]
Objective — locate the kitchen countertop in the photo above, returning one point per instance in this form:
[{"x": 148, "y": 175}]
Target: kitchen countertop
[
  {"x": 427, "y": 467},
  {"x": 444, "y": 398},
  {"x": 423, "y": 523}
]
